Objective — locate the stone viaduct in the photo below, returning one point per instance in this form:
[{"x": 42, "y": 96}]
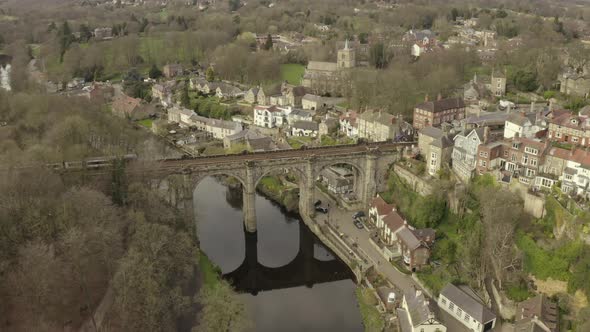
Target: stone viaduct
[{"x": 370, "y": 161}]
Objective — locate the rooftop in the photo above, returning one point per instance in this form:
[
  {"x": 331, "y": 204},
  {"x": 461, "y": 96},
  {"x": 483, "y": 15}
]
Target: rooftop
[
  {"x": 468, "y": 301},
  {"x": 441, "y": 105}
]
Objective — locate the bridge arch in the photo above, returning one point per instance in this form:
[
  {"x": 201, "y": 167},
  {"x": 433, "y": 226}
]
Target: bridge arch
[{"x": 356, "y": 165}]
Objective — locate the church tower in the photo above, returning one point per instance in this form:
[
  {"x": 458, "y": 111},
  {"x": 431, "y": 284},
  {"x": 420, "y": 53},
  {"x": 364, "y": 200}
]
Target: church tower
[{"x": 346, "y": 57}]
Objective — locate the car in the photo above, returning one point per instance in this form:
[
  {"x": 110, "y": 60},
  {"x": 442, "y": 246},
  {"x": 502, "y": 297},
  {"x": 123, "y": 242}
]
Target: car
[
  {"x": 358, "y": 214},
  {"x": 359, "y": 224},
  {"x": 321, "y": 209},
  {"x": 317, "y": 203}
]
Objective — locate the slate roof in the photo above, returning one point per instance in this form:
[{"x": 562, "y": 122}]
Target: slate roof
[
  {"x": 306, "y": 125},
  {"x": 542, "y": 308},
  {"x": 441, "y": 105},
  {"x": 468, "y": 303},
  {"x": 521, "y": 119},
  {"x": 418, "y": 307},
  {"x": 488, "y": 119},
  {"x": 406, "y": 236},
  {"x": 382, "y": 207},
  {"x": 394, "y": 221},
  {"x": 378, "y": 116},
  {"x": 440, "y": 138},
  {"x": 322, "y": 66}
]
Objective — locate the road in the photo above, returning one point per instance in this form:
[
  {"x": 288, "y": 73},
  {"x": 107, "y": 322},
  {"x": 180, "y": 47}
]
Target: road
[{"x": 342, "y": 220}]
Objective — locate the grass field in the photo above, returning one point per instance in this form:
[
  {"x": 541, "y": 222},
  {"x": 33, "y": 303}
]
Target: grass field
[
  {"x": 371, "y": 317},
  {"x": 146, "y": 123},
  {"x": 292, "y": 73}
]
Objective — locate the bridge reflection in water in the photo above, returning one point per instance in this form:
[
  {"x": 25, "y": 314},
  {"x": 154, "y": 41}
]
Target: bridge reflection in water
[{"x": 306, "y": 269}]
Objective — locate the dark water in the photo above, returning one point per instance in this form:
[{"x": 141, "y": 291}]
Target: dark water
[{"x": 288, "y": 279}]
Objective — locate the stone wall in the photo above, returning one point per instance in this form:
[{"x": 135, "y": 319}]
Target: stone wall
[
  {"x": 418, "y": 184},
  {"x": 533, "y": 204}
]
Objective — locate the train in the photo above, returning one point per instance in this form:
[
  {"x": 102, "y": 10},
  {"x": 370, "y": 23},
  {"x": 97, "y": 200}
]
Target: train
[{"x": 91, "y": 163}]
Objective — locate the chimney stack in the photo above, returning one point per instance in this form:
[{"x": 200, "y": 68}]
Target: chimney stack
[
  {"x": 486, "y": 134},
  {"x": 426, "y": 98},
  {"x": 439, "y": 97}
]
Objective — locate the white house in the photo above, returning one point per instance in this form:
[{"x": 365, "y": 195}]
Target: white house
[
  {"x": 525, "y": 125},
  {"x": 220, "y": 128},
  {"x": 217, "y": 128},
  {"x": 305, "y": 128},
  {"x": 180, "y": 115},
  {"x": 466, "y": 307},
  {"x": 378, "y": 210},
  {"x": 349, "y": 124},
  {"x": 417, "y": 315},
  {"x": 576, "y": 174},
  {"x": 269, "y": 116}
]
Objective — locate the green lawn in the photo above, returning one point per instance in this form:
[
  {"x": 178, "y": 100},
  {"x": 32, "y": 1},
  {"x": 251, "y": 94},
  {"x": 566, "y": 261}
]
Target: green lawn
[
  {"x": 209, "y": 271},
  {"x": 372, "y": 319},
  {"x": 272, "y": 183},
  {"x": 298, "y": 142},
  {"x": 292, "y": 73},
  {"x": 146, "y": 123}
]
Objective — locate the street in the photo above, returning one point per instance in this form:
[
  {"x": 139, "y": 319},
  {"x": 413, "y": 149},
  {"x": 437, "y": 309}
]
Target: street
[{"x": 342, "y": 220}]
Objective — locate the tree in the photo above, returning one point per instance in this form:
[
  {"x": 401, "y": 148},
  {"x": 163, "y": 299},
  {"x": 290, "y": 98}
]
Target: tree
[
  {"x": 155, "y": 72},
  {"x": 65, "y": 39},
  {"x": 185, "y": 99},
  {"x": 85, "y": 33},
  {"x": 500, "y": 214},
  {"x": 222, "y": 311},
  {"x": 210, "y": 74},
  {"x": 378, "y": 56},
  {"x": 268, "y": 43},
  {"x": 234, "y": 5}
]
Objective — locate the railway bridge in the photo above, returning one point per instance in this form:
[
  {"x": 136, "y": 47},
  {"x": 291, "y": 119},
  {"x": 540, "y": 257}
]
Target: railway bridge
[{"x": 370, "y": 163}]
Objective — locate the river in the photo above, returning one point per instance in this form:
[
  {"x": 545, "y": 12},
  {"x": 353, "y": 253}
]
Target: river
[{"x": 299, "y": 285}]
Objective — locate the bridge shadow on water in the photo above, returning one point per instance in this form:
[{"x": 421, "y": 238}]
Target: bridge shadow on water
[{"x": 305, "y": 269}]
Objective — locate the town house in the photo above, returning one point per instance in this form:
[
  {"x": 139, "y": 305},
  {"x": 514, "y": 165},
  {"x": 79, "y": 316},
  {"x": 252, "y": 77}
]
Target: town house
[
  {"x": 576, "y": 175},
  {"x": 524, "y": 157},
  {"x": 434, "y": 113},
  {"x": 570, "y": 128},
  {"x": 523, "y": 124},
  {"x": 379, "y": 126},
  {"x": 251, "y": 96},
  {"x": 465, "y": 152},
  {"x": 436, "y": 148}
]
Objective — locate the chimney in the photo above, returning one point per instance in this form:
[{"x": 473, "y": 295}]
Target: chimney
[
  {"x": 486, "y": 134},
  {"x": 439, "y": 97},
  {"x": 532, "y": 106},
  {"x": 426, "y": 98}
]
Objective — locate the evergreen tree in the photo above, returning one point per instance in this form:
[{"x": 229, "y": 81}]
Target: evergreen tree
[
  {"x": 185, "y": 99},
  {"x": 155, "y": 72},
  {"x": 268, "y": 43},
  {"x": 210, "y": 75}
]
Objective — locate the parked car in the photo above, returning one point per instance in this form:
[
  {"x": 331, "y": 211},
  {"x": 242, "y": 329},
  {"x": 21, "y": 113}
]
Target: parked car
[
  {"x": 321, "y": 209},
  {"x": 358, "y": 214},
  {"x": 358, "y": 224}
]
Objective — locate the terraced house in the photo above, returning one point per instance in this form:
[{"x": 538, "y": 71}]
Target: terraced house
[
  {"x": 378, "y": 126},
  {"x": 571, "y": 129},
  {"x": 434, "y": 113}
]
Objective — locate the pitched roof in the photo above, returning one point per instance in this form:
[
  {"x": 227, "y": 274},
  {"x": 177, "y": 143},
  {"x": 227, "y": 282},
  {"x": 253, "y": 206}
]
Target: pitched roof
[
  {"x": 124, "y": 104},
  {"x": 542, "y": 308},
  {"x": 440, "y": 138},
  {"x": 406, "y": 236},
  {"x": 394, "y": 221},
  {"x": 425, "y": 234},
  {"x": 418, "y": 307},
  {"x": 322, "y": 66},
  {"x": 378, "y": 116},
  {"x": 441, "y": 105},
  {"x": 521, "y": 119},
  {"x": 381, "y": 205},
  {"x": 469, "y": 303},
  {"x": 311, "y": 97},
  {"x": 306, "y": 125}
]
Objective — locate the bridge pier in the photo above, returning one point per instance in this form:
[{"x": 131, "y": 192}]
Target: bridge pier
[
  {"x": 249, "y": 196},
  {"x": 307, "y": 191},
  {"x": 369, "y": 187}
]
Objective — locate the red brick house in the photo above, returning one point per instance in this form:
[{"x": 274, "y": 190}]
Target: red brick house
[{"x": 434, "y": 113}]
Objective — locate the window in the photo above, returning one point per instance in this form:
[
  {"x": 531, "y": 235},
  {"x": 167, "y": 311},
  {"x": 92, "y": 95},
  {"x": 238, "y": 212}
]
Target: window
[
  {"x": 515, "y": 145},
  {"x": 530, "y": 172},
  {"x": 525, "y": 159},
  {"x": 451, "y": 306},
  {"x": 444, "y": 301},
  {"x": 533, "y": 162},
  {"x": 531, "y": 150},
  {"x": 558, "y": 135},
  {"x": 513, "y": 157},
  {"x": 575, "y": 139},
  {"x": 568, "y": 177},
  {"x": 506, "y": 153},
  {"x": 467, "y": 317},
  {"x": 433, "y": 155},
  {"x": 483, "y": 154},
  {"x": 459, "y": 312},
  {"x": 484, "y": 163}
]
